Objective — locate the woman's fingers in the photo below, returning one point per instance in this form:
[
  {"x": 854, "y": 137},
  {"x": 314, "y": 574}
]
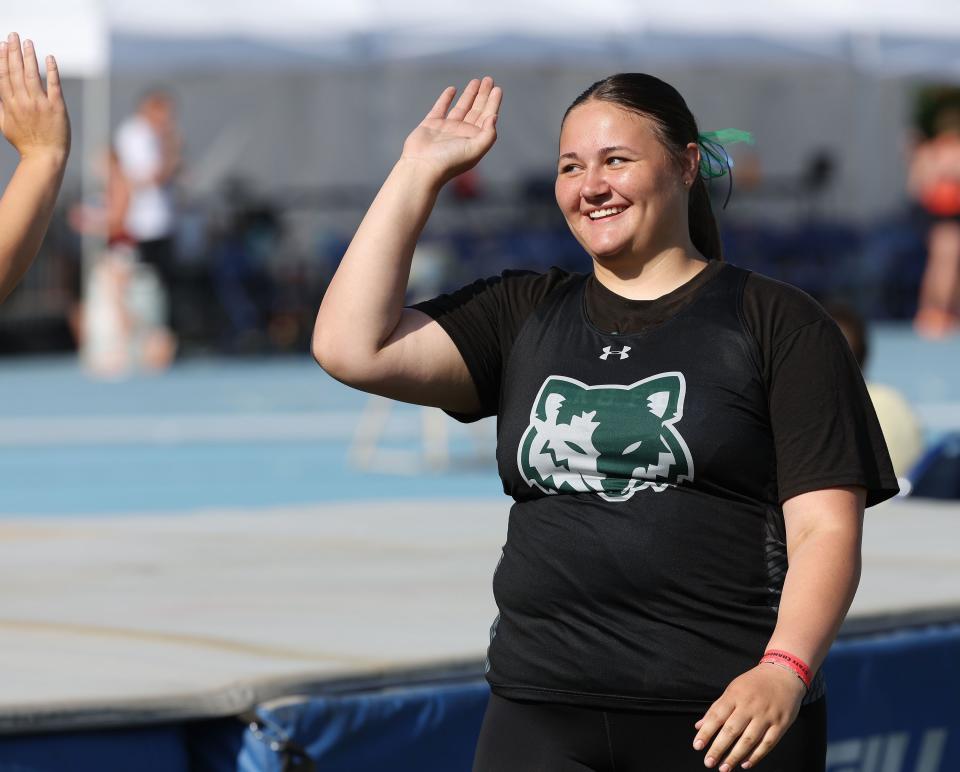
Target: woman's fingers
[
  {"x": 6, "y": 87},
  {"x": 454, "y": 139},
  {"x": 752, "y": 735},
  {"x": 440, "y": 107},
  {"x": 770, "y": 738},
  {"x": 712, "y": 720},
  {"x": 476, "y": 109},
  {"x": 465, "y": 102},
  {"x": 31, "y": 70},
  {"x": 53, "y": 80},
  {"x": 492, "y": 107},
  {"x": 728, "y": 735},
  {"x": 15, "y": 65},
  {"x": 479, "y": 101}
]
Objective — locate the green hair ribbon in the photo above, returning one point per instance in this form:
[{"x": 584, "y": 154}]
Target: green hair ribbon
[{"x": 714, "y": 159}]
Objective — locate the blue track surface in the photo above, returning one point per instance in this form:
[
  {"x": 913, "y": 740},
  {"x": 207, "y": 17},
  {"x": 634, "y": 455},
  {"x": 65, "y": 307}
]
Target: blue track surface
[
  {"x": 101, "y": 477},
  {"x": 86, "y": 471}
]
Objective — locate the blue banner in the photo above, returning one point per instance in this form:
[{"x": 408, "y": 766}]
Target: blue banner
[
  {"x": 894, "y": 702},
  {"x": 152, "y": 749}
]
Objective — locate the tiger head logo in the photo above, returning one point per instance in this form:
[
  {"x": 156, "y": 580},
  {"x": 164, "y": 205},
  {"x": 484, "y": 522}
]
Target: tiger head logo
[{"x": 611, "y": 440}]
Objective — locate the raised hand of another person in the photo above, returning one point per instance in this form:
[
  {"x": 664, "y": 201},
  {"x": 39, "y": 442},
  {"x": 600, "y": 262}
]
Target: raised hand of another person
[
  {"x": 453, "y": 140},
  {"x": 752, "y": 714},
  {"x": 33, "y": 118}
]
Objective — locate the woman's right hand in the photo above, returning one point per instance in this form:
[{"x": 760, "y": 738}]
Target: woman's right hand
[{"x": 453, "y": 142}]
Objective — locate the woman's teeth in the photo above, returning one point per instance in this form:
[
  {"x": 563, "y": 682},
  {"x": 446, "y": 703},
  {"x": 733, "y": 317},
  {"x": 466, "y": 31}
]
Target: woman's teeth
[{"x": 600, "y": 213}]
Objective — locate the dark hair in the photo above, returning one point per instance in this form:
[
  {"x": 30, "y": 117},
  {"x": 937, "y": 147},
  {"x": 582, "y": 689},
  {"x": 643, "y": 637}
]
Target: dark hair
[{"x": 675, "y": 127}]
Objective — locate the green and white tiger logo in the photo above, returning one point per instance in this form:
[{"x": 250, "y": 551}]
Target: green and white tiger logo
[{"x": 612, "y": 440}]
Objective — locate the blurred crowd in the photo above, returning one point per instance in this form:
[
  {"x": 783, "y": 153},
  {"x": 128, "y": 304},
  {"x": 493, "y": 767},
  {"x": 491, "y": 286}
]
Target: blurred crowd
[
  {"x": 140, "y": 274},
  {"x": 228, "y": 274}
]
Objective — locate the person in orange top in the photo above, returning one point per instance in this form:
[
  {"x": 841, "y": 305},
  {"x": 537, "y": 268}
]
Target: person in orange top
[{"x": 934, "y": 181}]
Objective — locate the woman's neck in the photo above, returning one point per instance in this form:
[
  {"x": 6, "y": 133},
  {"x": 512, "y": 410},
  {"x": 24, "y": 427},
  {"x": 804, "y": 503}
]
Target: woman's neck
[{"x": 653, "y": 277}]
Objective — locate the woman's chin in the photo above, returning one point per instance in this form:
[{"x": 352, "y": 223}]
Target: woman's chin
[{"x": 609, "y": 254}]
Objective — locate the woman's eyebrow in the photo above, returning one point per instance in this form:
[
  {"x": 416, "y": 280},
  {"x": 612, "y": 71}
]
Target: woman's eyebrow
[{"x": 602, "y": 151}]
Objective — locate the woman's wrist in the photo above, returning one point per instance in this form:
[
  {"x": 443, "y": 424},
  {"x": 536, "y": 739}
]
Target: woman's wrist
[
  {"x": 51, "y": 160},
  {"x": 790, "y": 662},
  {"x": 421, "y": 172}
]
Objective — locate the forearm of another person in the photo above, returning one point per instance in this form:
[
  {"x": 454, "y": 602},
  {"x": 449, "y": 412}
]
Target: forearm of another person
[{"x": 25, "y": 211}]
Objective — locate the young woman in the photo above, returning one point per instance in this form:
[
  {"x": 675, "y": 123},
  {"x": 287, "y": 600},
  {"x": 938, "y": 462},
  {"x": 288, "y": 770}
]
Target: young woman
[
  {"x": 674, "y": 431},
  {"x": 34, "y": 120}
]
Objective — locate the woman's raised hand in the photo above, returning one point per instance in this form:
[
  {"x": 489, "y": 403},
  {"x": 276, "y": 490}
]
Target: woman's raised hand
[
  {"x": 32, "y": 118},
  {"x": 452, "y": 142}
]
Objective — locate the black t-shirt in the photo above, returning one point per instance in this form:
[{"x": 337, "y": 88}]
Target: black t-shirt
[
  {"x": 824, "y": 426},
  {"x": 648, "y": 446}
]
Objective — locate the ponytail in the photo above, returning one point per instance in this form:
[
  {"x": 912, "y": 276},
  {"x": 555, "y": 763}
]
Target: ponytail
[{"x": 704, "y": 232}]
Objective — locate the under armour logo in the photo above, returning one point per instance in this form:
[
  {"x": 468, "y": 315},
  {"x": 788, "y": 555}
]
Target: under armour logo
[{"x": 608, "y": 350}]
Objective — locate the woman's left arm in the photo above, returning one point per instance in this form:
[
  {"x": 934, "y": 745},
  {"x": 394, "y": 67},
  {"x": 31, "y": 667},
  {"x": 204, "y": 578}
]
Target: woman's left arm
[{"x": 824, "y": 531}]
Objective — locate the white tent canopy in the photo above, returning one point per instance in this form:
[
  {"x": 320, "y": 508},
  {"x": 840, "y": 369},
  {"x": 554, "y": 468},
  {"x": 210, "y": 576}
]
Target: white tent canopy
[
  {"x": 557, "y": 19},
  {"x": 76, "y": 31},
  {"x": 886, "y": 36},
  {"x": 257, "y": 80}
]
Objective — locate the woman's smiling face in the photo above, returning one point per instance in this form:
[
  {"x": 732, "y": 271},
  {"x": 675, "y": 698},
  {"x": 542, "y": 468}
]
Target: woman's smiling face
[{"x": 619, "y": 189}]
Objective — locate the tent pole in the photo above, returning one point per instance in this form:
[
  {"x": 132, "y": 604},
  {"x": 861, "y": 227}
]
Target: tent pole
[{"x": 95, "y": 139}]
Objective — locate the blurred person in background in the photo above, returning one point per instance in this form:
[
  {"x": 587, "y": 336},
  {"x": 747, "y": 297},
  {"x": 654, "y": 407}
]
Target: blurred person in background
[
  {"x": 901, "y": 427},
  {"x": 148, "y": 146},
  {"x": 934, "y": 182},
  {"x": 670, "y": 427},
  {"x": 121, "y": 327},
  {"x": 33, "y": 118}
]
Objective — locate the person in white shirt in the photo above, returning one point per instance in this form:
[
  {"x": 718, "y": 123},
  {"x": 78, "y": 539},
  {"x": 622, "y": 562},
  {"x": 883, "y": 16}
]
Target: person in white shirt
[{"x": 148, "y": 147}]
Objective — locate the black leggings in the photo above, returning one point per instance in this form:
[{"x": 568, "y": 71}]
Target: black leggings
[{"x": 545, "y": 737}]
